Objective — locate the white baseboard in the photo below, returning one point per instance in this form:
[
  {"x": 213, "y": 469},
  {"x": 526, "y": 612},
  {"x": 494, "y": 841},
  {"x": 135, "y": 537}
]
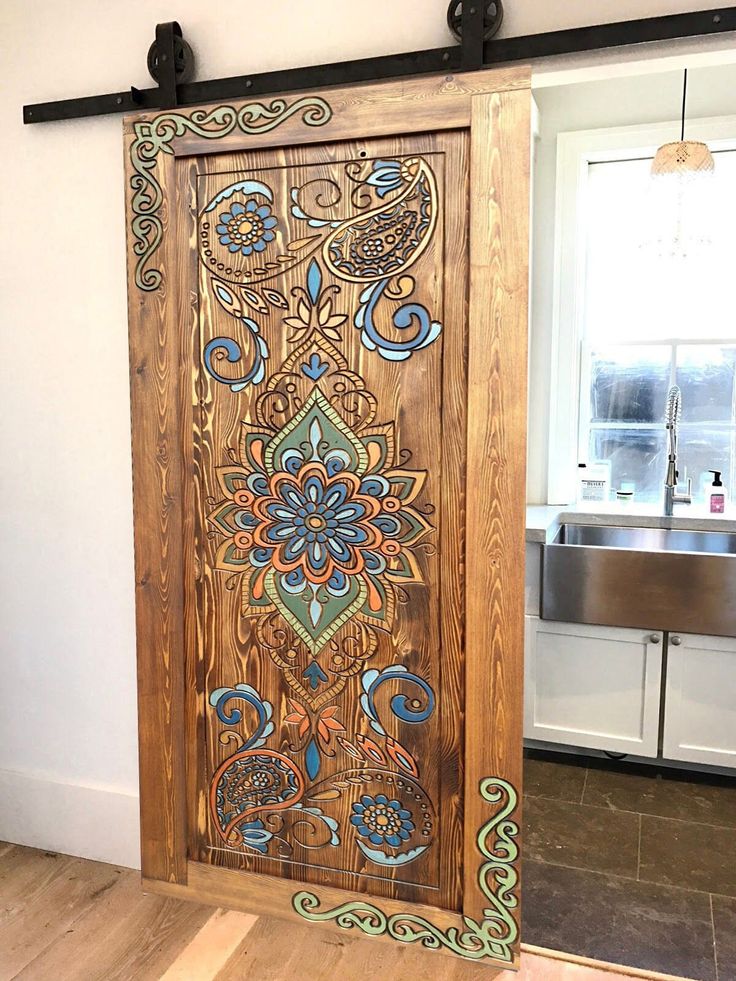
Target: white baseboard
[{"x": 89, "y": 822}]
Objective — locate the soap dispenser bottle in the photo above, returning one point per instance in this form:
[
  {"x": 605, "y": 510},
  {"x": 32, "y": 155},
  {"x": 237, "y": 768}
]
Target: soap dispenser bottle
[{"x": 717, "y": 496}]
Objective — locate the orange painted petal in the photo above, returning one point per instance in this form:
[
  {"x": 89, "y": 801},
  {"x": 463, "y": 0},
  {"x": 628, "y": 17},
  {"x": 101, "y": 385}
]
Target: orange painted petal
[
  {"x": 327, "y": 795},
  {"x": 257, "y": 587},
  {"x": 375, "y": 601},
  {"x": 256, "y": 451},
  {"x": 370, "y": 749},
  {"x": 401, "y": 756}
]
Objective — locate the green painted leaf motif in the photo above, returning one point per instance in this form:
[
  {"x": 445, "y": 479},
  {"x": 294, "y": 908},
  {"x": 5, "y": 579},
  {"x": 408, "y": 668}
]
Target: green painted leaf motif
[
  {"x": 233, "y": 478},
  {"x": 223, "y": 517},
  {"x": 299, "y": 613},
  {"x": 381, "y": 441},
  {"x": 331, "y": 436},
  {"x": 413, "y": 528},
  {"x": 233, "y": 559},
  {"x": 401, "y": 567},
  {"x": 402, "y": 484}
]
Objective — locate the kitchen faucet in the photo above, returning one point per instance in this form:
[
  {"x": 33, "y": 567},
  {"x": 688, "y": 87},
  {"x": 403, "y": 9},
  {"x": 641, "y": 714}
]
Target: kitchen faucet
[{"x": 672, "y": 421}]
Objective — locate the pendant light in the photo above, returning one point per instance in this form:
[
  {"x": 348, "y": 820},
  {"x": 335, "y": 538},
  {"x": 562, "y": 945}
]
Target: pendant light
[
  {"x": 684, "y": 159},
  {"x": 681, "y": 199}
]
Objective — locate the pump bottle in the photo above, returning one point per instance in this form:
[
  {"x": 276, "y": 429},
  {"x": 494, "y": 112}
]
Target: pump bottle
[{"x": 717, "y": 494}]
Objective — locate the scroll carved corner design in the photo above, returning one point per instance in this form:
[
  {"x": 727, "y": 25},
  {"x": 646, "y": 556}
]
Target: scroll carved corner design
[
  {"x": 492, "y": 938},
  {"x": 155, "y": 136}
]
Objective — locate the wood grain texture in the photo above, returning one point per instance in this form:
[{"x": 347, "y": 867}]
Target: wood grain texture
[
  {"x": 328, "y": 952},
  {"x": 373, "y": 109},
  {"x": 212, "y": 948},
  {"x": 188, "y": 307},
  {"x": 41, "y": 895},
  {"x": 125, "y": 934},
  {"x": 91, "y": 922},
  {"x": 497, "y": 405},
  {"x": 157, "y": 510},
  {"x": 460, "y": 409},
  {"x": 425, "y": 398},
  {"x": 317, "y": 955},
  {"x": 255, "y": 892}
]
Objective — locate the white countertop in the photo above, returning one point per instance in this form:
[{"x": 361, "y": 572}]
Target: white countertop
[{"x": 543, "y": 520}]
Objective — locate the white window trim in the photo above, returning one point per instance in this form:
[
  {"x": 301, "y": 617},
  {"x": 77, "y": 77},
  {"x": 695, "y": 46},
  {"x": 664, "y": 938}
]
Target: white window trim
[{"x": 575, "y": 151}]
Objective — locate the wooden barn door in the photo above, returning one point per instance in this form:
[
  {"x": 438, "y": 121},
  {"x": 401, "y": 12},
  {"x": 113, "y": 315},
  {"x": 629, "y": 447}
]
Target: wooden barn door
[{"x": 328, "y": 336}]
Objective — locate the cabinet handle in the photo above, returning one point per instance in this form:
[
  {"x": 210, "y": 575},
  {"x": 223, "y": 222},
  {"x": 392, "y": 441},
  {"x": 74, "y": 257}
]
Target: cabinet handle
[
  {"x": 675, "y": 641},
  {"x": 655, "y": 639}
]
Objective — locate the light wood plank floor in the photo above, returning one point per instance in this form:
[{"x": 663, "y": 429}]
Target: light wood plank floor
[{"x": 68, "y": 919}]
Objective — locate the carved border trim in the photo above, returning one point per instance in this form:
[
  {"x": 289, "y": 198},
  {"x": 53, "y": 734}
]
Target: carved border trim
[
  {"x": 156, "y": 135},
  {"x": 493, "y": 938}
]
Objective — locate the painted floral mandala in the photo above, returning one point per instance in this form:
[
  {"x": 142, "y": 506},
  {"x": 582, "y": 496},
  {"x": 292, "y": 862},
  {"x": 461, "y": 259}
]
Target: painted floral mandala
[{"x": 319, "y": 521}]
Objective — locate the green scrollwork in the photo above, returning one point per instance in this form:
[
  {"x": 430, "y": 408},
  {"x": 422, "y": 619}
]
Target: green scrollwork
[
  {"x": 493, "y": 938},
  {"x": 156, "y": 135}
]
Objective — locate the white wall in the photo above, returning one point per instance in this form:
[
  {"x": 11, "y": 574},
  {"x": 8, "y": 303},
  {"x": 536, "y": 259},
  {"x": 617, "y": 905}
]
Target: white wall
[
  {"x": 593, "y": 105},
  {"x": 67, "y": 694}
]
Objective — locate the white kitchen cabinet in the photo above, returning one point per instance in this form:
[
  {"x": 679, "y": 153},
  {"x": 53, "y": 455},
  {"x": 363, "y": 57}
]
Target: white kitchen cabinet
[
  {"x": 593, "y": 687},
  {"x": 700, "y": 701}
]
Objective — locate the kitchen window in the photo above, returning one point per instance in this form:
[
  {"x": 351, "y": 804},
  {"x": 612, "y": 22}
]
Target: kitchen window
[{"x": 638, "y": 314}]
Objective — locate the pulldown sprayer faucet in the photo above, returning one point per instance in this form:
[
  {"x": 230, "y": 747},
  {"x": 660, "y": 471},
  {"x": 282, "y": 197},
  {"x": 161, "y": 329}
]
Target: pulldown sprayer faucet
[{"x": 673, "y": 411}]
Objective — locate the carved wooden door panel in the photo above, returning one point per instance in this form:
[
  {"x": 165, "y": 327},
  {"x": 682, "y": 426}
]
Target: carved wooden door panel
[
  {"x": 327, "y": 350},
  {"x": 332, "y": 449}
]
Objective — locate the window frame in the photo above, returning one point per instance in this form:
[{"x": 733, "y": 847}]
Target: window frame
[{"x": 576, "y": 150}]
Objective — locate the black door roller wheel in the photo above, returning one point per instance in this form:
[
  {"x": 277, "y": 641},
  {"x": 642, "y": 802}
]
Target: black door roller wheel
[
  {"x": 183, "y": 61},
  {"x": 492, "y": 18}
]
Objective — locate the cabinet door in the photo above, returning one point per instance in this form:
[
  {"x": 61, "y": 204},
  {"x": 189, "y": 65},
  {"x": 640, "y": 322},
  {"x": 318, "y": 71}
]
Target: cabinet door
[
  {"x": 593, "y": 687},
  {"x": 328, "y": 344},
  {"x": 700, "y": 703}
]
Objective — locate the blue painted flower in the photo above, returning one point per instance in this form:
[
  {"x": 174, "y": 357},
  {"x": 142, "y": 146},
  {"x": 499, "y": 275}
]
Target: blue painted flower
[
  {"x": 319, "y": 524},
  {"x": 247, "y": 228},
  {"x": 382, "y": 821}
]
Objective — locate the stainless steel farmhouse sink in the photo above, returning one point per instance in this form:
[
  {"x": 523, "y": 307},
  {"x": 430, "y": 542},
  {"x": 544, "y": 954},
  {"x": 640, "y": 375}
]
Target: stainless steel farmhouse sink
[
  {"x": 657, "y": 578},
  {"x": 648, "y": 539}
]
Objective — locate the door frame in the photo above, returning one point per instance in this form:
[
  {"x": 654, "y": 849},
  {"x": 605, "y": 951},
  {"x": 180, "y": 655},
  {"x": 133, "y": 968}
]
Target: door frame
[{"x": 495, "y": 107}]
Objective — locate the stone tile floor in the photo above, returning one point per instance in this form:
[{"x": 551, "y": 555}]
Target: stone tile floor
[{"x": 627, "y": 865}]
